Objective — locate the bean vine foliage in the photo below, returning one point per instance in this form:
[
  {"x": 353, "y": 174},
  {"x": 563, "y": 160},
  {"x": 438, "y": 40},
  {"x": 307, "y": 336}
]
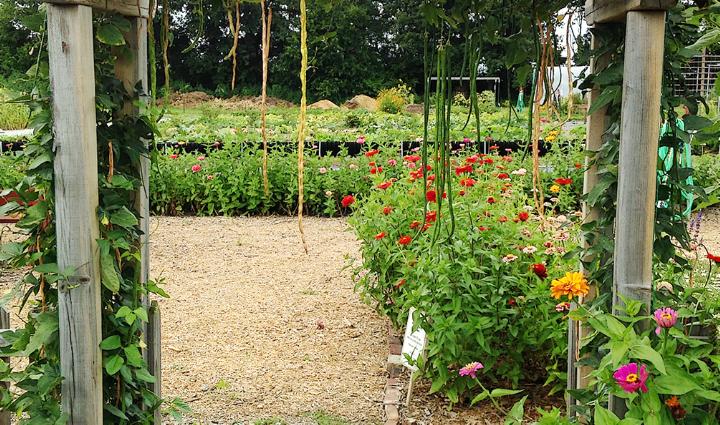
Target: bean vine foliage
[{"x": 34, "y": 392}]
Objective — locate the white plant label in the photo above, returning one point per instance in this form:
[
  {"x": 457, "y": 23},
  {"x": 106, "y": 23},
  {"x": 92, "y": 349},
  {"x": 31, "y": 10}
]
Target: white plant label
[{"x": 413, "y": 343}]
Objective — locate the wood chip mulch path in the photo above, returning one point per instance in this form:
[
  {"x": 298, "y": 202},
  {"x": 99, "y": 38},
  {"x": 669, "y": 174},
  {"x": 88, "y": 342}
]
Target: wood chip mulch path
[{"x": 255, "y": 328}]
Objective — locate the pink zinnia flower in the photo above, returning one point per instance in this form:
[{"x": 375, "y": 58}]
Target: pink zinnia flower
[
  {"x": 201, "y": 158},
  {"x": 196, "y": 168},
  {"x": 471, "y": 369},
  {"x": 392, "y": 162},
  {"x": 665, "y": 318},
  {"x": 631, "y": 377},
  {"x": 360, "y": 140}
]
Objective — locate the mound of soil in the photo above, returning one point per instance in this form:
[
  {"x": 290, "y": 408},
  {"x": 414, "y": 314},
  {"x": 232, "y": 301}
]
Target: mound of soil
[
  {"x": 242, "y": 102},
  {"x": 190, "y": 99},
  {"x": 415, "y": 108},
  {"x": 362, "y": 101},
  {"x": 323, "y": 104}
]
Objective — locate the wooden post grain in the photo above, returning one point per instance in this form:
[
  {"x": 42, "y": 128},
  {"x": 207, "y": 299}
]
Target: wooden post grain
[
  {"x": 639, "y": 134},
  {"x": 70, "y": 49},
  {"x": 5, "y": 416},
  {"x": 154, "y": 336}
]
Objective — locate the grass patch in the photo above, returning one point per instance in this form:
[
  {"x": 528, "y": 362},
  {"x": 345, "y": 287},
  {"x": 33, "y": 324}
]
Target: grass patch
[{"x": 323, "y": 418}]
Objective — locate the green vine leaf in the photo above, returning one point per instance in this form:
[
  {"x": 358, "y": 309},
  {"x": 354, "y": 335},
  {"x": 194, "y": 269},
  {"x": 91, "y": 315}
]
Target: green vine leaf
[
  {"x": 109, "y": 275},
  {"x": 124, "y": 218},
  {"x": 110, "y": 34},
  {"x": 113, "y": 364},
  {"x": 111, "y": 343}
]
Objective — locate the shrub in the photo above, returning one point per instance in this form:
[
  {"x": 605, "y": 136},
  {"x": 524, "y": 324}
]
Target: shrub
[
  {"x": 486, "y": 101},
  {"x": 477, "y": 293},
  {"x": 10, "y": 174},
  {"x": 13, "y": 116},
  {"x": 706, "y": 174},
  {"x": 394, "y": 99}
]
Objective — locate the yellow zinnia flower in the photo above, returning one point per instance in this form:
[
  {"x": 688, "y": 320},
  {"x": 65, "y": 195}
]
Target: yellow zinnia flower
[
  {"x": 554, "y": 188},
  {"x": 573, "y": 284}
]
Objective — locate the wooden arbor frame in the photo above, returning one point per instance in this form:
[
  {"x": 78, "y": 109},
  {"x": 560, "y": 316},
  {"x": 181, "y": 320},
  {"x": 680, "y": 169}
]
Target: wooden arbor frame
[
  {"x": 639, "y": 135},
  {"x": 70, "y": 49}
]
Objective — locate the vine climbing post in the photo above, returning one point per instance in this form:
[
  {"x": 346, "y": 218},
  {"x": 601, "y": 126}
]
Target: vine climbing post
[
  {"x": 70, "y": 49},
  {"x": 131, "y": 68},
  {"x": 639, "y": 133},
  {"x": 597, "y": 123}
]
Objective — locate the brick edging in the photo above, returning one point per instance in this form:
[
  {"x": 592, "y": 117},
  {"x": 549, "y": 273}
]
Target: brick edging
[{"x": 393, "y": 388}]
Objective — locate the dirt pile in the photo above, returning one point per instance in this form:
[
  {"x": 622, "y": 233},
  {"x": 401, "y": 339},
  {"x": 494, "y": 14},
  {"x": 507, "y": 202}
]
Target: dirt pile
[{"x": 362, "y": 101}]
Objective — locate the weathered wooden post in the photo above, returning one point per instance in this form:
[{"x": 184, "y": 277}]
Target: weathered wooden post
[
  {"x": 639, "y": 134},
  {"x": 70, "y": 46},
  {"x": 72, "y": 77},
  {"x": 4, "y": 325}
]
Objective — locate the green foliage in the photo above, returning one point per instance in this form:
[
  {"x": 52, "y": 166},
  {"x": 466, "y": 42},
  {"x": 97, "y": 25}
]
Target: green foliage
[
  {"x": 394, "y": 99},
  {"x": 706, "y": 175},
  {"x": 228, "y": 183},
  {"x": 10, "y": 172},
  {"x": 474, "y": 292},
  {"x": 13, "y": 115}
]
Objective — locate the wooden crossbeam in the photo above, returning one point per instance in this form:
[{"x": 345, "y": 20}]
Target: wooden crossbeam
[
  {"x": 131, "y": 8},
  {"x": 602, "y": 11}
]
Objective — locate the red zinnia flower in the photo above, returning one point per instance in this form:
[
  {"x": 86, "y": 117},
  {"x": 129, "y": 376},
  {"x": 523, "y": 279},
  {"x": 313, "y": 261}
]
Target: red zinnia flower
[
  {"x": 464, "y": 169},
  {"x": 490, "y": 200},
  {"x": 372, "y": 153},
  {"x": 412, "y": 158},
  {"x": 563, "y": 181},
  {"x": 400, "y": 283},
  {"x": 715, "y": 258},
  {"x": 380, "y": 236},
  {"x": 503, "y": 176},
  {"x": 523, "y": 216},
  {"x": 384, "y": 185},
  {"x": 502, "y": 219},
  {"x": 578, "y": 165},
  {"x": 376, "y": 170},
  {"x": 431, "y": 216},
  {"x": 471, "y": 160},
  {"x": 405, "y": 240},
  {"x": 483, "y": 228},
  {"x": 461, "y": 193},
  {"x": 488, "y": 160},
  {"x": 415, "y": 224},
  {"x": 512, "y": 302},
  {"x": 174, "y": 156},
  {"x": 347, "y": 201},
  {"x": 196, "y": 168},
  {"x": 493, "y": 147},
  {"x": 540, "y": 270},
  {"x": 431, "y": 196},
  {"x": 387, "y": 210},
  {"x": 467, "y": 183}
]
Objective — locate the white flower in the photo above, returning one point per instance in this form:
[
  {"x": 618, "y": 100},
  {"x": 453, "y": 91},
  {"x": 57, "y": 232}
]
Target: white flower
[
  {"x": 352, "y": 167},
  {"x": 322, "y": 170},
  {"x": 666, "y": 286},
  {"x": 528, "y": 207},
  {"x": 529, "y": 249},
  {"x": 509, "y": 258},
  {"x": 526, "y": 232},
  {"x": 328, "y": 193},
  {"x": 562, "y": 219},
  {"x": 519, "y": 172}
]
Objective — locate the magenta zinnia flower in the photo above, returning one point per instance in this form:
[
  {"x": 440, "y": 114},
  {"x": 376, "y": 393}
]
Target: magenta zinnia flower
[
  {"x": 632, "y": 377},
  {"x": 471, "y": 369},
  {"x": 665, "y": 318}
]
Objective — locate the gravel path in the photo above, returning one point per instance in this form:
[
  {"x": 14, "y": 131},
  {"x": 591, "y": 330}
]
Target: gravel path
[{"x": 255, "y": 328}]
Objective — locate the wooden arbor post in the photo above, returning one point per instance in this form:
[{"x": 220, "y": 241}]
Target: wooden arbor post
[
  {"x": 70, "y": 48},
  {"x": 639, "y": 134}
]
